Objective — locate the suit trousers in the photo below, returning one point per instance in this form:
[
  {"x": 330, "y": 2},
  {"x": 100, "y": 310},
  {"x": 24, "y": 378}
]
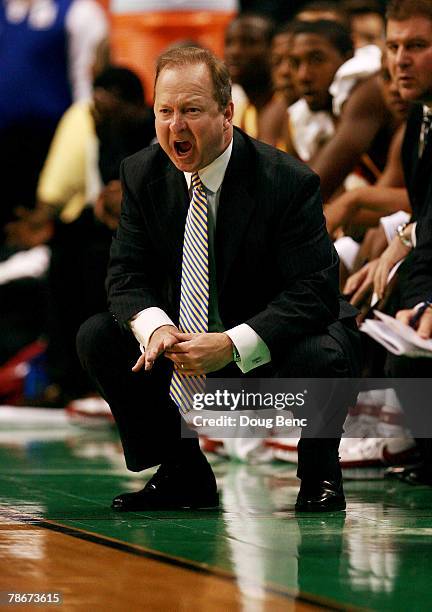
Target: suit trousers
[{"x": 149, "y": 422}]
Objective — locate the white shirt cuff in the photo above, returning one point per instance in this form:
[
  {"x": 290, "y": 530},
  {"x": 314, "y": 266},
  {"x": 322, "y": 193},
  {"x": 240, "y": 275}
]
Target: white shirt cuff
[
  {"x": 252, "y": 349},
  {"x": 390, "y": 223},
  {"x": 146, "y": 322},
  {"x": 347, "y": 249}
]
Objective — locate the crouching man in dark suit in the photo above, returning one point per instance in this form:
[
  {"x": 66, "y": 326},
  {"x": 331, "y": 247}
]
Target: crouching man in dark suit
[{"x": 221, "y": 256}]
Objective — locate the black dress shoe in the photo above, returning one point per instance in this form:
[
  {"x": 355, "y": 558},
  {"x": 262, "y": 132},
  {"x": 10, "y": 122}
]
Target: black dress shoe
[
  {"x": 399, "y": 472},
  {"x": 172, "y": 487},
  {"x": 320, "y": 496},
  {"x": 417, "y": 476}
]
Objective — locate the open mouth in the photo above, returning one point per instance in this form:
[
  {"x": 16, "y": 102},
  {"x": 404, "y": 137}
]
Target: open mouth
[{"x": 182, "y": 147}]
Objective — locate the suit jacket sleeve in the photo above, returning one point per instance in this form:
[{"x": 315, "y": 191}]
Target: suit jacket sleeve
[
  {"x": 416, "y": 272},
  {"x": 308, "y": 266},
  {"x": 135, "y": 269}
]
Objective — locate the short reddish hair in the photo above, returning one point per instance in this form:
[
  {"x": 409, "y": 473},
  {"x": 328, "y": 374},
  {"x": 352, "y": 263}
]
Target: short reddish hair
[
  {"x": 399, "y": 10},
  {"x": 181, "y": 57}
]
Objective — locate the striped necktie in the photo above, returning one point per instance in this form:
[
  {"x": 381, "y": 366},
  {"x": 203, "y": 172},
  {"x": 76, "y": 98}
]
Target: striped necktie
[
  {"x": 194, "y": 298},
  {"x": 425, "y": 131}
]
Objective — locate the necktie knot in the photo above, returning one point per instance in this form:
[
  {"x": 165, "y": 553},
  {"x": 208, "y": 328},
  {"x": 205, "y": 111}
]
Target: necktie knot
[{"x": 196, "y": 182}]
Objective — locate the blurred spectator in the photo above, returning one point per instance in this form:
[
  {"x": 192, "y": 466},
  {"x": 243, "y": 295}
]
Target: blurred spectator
[
  {"x": 91, "y": 136},
  {"x": 247, "y": 55},
  {"x": 366, "y": 205},
  {"x": 123, "y": 125},
  {"x": 321, "y": 9},
  {"x": 366, "y": 21},
  {"x": 409, "y": 43},
  {"x": 318, "y": 49},
  {"x": 46, "y": 50},
  {"x": 278, "y": 10},
  {"x": 116, "y": 125},
  {"x": 281, "y": 64},
  {"x": 276, "y": 129},
  {"x": 411, "y": 70},
  {"x": 365, "y": 127},
  {"x": 274, "y": 126}
]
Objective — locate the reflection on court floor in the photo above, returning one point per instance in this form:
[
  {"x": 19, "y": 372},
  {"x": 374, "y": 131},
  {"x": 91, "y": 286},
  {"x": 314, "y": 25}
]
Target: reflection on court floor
[{"x": 59, "y": 534}]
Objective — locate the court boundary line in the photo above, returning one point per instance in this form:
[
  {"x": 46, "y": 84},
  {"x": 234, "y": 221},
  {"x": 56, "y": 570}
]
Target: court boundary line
[{"x": 148, "y": 553}]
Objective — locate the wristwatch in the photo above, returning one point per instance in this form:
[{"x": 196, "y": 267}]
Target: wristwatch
[
  {"x": 235, "y": 354},
  {"x": 400, "y": 232}
]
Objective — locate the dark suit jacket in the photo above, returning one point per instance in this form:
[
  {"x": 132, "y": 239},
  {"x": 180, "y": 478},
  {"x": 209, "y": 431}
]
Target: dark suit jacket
[
  {"x": 277, "y": 269},
  {"x": 417, "y": 172},
  {"x": 415, "y": 274}
]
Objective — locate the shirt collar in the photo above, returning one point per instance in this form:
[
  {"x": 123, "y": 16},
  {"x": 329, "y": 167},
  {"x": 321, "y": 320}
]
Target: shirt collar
[
  {"x": 212, "y": 175},
  {"x": 427, "y": 110}
]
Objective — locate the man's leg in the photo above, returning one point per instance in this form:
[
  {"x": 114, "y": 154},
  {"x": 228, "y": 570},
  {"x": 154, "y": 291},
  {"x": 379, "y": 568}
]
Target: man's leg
[
  {"x": 331, "y": 358},
  {"x": 147, "y": 420}
]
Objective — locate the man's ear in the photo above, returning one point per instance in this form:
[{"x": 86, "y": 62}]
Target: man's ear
[{"x": 228, "y": 115}]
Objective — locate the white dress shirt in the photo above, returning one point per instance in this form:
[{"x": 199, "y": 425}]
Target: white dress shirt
[{"x": 252, "y": 349}]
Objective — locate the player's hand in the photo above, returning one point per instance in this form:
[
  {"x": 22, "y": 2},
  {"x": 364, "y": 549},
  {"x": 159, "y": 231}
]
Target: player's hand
[
  {"x": 162, "y": 338},
  {"x": 197, "y": 354},
  {"x": 337, "y": 212},
  {"x": 31, "y": 228},
  {"x": 359, "y": 285},
  {"x": 108, "y": 205},
  {"x": 393, "y": 253}
]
